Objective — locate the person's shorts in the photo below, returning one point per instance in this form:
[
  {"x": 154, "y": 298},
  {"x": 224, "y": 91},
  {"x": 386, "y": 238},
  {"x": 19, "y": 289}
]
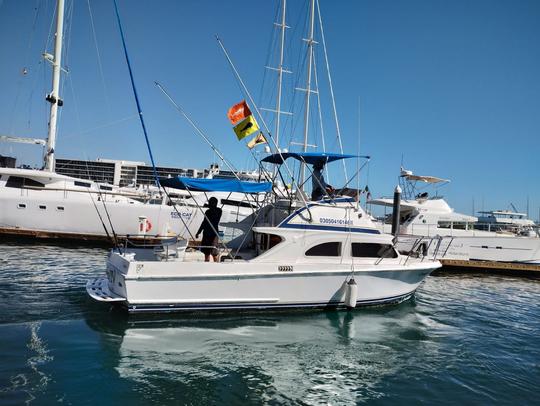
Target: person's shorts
[{"x": 209, "y": 246}]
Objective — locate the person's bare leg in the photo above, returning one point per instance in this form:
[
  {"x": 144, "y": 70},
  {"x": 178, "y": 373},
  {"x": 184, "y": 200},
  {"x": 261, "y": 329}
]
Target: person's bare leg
[
  {"x": 216, "y": 258},
  {"x": 206, "y": 257}
]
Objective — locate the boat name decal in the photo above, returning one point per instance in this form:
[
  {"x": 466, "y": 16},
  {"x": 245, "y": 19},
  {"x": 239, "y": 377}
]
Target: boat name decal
[
  {"x": 176, "y": 215},
  {"x": 326, "y": 220}
]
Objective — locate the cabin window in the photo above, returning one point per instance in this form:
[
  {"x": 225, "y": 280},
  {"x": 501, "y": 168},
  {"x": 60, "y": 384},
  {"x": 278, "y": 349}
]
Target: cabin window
[
  {"x": 445, "y": 224},
  {"x": 19, "y": 182},
  {"x": 21, "y": 206},
  {"x": 60, "y": 208},
  {"x": 42, "y": 207},
  {"x": 372, "y": 250},
  {"x": 103, "y": 187},
  {"x": 327, "y": 249},
  {"x": 83, "y": 184},
  {"x": 268, "y": 241}
]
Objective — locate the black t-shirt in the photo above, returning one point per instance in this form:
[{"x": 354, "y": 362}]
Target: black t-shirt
[{"x": 211, "y": 219}]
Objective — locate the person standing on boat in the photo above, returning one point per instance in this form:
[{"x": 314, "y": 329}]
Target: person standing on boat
[
  {"x": 210, "y": 229},
  {"x": 319, "y": 187}
]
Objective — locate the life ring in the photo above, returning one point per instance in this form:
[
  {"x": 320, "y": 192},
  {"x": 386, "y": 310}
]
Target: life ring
[{"x": 147, "y": 228}]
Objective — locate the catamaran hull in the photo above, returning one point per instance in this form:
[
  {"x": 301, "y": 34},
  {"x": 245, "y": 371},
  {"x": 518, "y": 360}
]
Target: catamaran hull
[
  {"x": 265, "y": 289},
  {"x": 48, "y": 214}
]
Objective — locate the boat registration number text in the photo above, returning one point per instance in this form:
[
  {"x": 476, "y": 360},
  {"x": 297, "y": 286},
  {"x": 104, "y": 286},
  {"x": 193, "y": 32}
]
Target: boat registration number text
[{"x": 326, "y": 220}]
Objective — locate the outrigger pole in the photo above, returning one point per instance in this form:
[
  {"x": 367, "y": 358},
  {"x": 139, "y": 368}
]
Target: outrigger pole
[{"x": 276, "y": 147}]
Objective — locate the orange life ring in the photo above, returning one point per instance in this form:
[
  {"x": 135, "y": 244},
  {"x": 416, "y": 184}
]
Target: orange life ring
[{"x": 148, "y": 226}]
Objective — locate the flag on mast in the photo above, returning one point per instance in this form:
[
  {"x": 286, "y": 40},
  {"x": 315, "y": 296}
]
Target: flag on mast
[
  {"x": 257, "y": 140},
  {"x": 246, "y": 127},
  {"x": 238, "y": 112}
]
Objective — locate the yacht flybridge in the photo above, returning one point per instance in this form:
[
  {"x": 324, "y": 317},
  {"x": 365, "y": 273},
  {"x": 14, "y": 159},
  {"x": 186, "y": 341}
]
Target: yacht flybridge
[
  {"x": 466, "y": 238},
  {"x": 295, "y": 254}
]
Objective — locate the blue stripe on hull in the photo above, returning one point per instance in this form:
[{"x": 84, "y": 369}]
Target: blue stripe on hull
[
  {"x": 330, "y": 228},
  {"x": 147, "y": 308}
]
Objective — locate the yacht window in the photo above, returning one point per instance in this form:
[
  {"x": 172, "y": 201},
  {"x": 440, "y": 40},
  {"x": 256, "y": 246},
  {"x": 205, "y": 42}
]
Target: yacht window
[
  {"x": 42, "y": 207},
  {"x": 60, "y": 208},
  {"x": 445, "y": 224},
  {"x": 21, "y": 206},
  {"x": 83, "y": 184},
  {"x": 19, "y": 182},
  {"x": 268, "y": 241},
  {"x": 327, "y": 249},
  {"x": 372, "y": 250},
  {"x": 102, "y": 187}
]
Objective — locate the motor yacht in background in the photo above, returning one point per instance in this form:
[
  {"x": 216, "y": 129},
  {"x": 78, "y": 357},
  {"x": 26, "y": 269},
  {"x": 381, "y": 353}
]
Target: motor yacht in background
[
  {"x": 506, "y": 220},
  {"x": 424, "y": 215}
]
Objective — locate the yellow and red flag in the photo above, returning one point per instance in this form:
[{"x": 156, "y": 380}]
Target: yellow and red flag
[
  {"x": 257, "y": 140},
  {"x": 246, "y": 127},
  {"x": 238, "y": 112}
]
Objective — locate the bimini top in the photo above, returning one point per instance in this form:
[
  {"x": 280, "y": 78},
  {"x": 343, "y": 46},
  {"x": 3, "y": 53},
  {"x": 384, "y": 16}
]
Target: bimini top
[
  {"x": 427, "y": 179},
  {"x": 307, "y": 157},
  {"x": 215, "y": 185}
]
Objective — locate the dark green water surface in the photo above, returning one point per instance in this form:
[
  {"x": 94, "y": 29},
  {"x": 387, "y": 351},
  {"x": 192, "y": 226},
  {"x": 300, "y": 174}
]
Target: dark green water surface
[{"x": 462, "y": 340}]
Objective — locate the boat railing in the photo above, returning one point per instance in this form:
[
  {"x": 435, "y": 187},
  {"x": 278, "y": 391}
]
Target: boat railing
[
  {"x": 155, "y": 248},
  {"x": 421, "y": 248}
]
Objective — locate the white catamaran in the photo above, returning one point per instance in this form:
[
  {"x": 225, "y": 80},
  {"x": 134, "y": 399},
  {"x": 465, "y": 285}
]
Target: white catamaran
[{"x": 46, "y": 204}]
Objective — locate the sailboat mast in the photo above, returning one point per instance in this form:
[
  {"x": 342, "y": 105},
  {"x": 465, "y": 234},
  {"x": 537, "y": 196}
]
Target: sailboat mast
[
  {"x": 54, "y": 96},
  {"x": 310, "y": 43},
  {"x": 280, "y": 70}
]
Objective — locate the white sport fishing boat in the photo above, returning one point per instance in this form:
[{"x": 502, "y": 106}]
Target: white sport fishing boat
[
  {"x": 46, "y": 204},
  {"x": 327, "y": 253},
  {"x": 465, "y": 238}
]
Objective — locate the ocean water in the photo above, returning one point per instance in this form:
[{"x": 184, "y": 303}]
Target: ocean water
[{"x": 462, "y": 340}]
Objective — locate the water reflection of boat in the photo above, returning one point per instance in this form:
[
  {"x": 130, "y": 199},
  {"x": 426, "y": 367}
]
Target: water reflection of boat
[{"x": 312, "y": 357}]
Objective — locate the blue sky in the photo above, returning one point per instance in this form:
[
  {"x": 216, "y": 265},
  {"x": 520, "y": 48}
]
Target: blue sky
[{"x": 450, "y": 87}]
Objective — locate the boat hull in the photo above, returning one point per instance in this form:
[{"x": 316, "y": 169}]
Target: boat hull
[{"x": 237, "y": 286}]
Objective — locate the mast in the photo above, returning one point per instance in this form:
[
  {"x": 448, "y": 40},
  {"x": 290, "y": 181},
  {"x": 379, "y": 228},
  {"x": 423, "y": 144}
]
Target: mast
[
  {"x": 54, "y": 96},
  {"x": 308, "y": 90},
  {"x": 280, "y": 71}
]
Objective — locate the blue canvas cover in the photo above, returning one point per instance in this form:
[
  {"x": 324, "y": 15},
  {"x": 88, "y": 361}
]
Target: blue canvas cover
[
  {"x": 215, "y": 185},
  {"x": 307, "y": 157}
]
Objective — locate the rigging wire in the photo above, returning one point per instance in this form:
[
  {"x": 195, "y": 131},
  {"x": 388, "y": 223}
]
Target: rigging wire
[
  {"x": 338, "y": 131},
  {"x": 25, "y": 70},
  {"x": 100, "y": 65}
]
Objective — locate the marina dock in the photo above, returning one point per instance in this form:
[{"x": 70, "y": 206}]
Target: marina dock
[{"x": 472, "y": 266}]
